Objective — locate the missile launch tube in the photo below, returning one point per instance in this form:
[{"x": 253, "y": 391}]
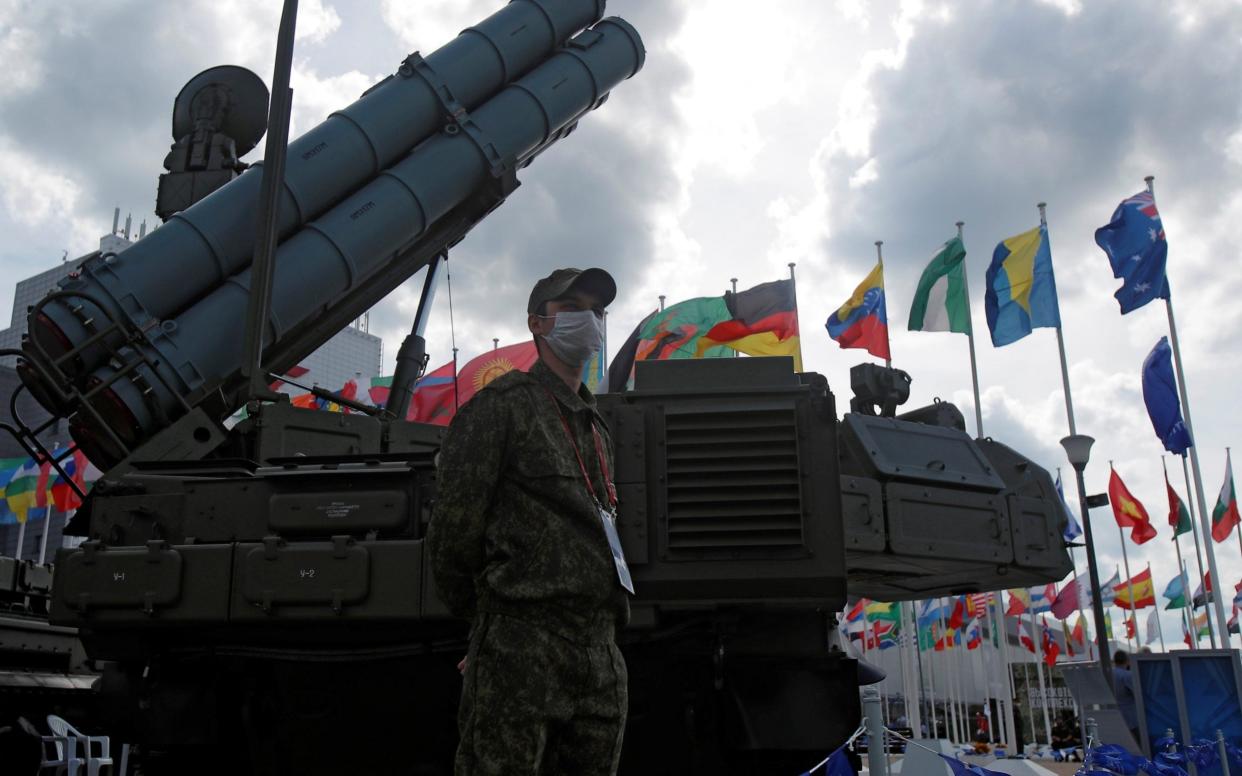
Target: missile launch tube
[
  {"x": 199, "y": 248},
  {"x": 325, "y": 260}
]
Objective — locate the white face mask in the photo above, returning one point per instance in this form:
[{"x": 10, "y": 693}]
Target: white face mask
[{"x": 576, "y": 336}]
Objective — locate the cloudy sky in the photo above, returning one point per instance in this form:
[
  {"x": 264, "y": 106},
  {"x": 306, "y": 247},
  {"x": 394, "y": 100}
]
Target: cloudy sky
[{"x": 802, "y": 133}]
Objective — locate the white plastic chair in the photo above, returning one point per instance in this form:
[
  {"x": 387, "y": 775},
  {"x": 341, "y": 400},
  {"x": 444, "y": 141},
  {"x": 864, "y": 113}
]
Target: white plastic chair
[{"x": 73, "y": 749}]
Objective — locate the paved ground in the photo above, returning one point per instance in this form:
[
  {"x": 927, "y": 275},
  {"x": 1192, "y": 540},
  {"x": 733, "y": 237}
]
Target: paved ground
[{"x": 1061, "y": 769}]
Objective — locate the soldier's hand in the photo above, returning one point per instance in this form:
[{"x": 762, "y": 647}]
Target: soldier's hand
[{"x": 461, "y": 666}]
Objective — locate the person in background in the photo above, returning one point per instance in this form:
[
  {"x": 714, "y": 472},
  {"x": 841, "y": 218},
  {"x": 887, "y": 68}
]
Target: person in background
[{"x": 1123, "y": 687}]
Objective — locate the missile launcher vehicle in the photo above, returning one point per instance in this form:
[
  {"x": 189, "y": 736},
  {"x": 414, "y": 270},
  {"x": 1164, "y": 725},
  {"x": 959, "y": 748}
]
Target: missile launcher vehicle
[{"x": 257, "y": 596}]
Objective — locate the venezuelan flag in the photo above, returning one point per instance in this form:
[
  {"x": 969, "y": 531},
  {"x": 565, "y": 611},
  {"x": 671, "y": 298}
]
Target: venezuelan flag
[
  {"x": 862, "y": 322},
  {"x": 1021, "y": 291}
]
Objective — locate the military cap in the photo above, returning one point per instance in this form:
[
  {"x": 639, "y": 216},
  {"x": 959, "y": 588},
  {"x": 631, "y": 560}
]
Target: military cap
[{"x": 594, "y": 281}]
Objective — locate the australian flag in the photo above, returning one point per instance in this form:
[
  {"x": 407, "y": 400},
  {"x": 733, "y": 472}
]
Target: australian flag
[{"x": 1135, "y": 244}]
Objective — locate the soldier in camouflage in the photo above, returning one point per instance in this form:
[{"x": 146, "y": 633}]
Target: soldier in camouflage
[{"x": 519, "y": 543}]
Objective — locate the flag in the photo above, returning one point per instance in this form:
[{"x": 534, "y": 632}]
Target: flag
[
  {"x": 594, "y": 372},
  {"x": 941, "y": 300},
  {"x": 1175, "y": 591},
  {"x": 1136, "y": 593},
  {"x": 1072, "y": 528},
  {"x": 1153, "y": 626},
  {"x": 1068, "y": 600},
  {"x": 1201, "y": 625},
  {"x": 856, "y": 611},
  {"x": 1160, "y": 396},
  {"x": 862, "y": 322},
  {"x": 1131, "y": 627},
  {"x": 1225, "y": 513},
  {"x": 621, "y": 370},
  {"x": 1024, "y": 637},
  {"x": 882, "y": 611},
  {"x": 1237, "y": 595},
  {"x": 1136, "y": 248},
  {"x": 1204, "y": 593},
  {"x": 380, "y": 387},
  {"x": 763, "y": 322},
  {"x": 974, "y": 637},
  {"x": 63, "y": 495},
  {"x": 1079, "y": 634},
  {"x": 1019, "y": 602},
  {"x": 675, "y": 331},
  {"x": 837, "y": 764},
  {"x": 1179, "y": 515},
  {"x": 958, "y": 616},
  {"x": 1049, "y": 644},
  {"x": 1042, "y": 597},
  {"x": 927, "y": 612},
  {"x": 1106, "y": 589},
  {"x": 1021, "y": 291},
  {"x": 1128, "y": 511},
  {"x": 1108, "y": 626},
  {"x": 22, "y": 491},
  {"x": 1232, "y": 624}
]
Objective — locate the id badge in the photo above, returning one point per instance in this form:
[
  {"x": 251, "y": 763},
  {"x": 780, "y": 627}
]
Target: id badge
[{"x": 609, "y": 520}]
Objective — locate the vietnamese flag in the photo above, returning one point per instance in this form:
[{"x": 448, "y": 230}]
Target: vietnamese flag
[{"x": 1128, "y": 511}]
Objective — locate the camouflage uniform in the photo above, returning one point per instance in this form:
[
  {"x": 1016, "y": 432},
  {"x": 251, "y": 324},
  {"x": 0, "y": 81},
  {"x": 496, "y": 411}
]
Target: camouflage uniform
[{"x": 516, "y": 544}]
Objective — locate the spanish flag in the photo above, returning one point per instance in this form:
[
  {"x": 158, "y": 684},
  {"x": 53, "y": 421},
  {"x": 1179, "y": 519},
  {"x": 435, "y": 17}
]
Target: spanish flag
[
  {"x": 1137, "y": 592},
  {"x": 1128, "y": 511}
]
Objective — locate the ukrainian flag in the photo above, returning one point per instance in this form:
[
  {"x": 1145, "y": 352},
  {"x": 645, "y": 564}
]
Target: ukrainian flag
[{"x": 1021, "y": 291}]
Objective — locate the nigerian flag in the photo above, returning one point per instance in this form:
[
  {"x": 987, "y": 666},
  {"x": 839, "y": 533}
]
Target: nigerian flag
[{"x": 940, "y": 301}]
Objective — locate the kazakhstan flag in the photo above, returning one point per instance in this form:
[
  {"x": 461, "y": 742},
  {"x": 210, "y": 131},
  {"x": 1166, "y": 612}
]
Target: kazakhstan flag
[{"x": 1021, "y": 291}]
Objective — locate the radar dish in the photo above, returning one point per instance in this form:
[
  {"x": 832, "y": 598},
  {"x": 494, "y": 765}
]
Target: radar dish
[{"x": 229, "y": 99}]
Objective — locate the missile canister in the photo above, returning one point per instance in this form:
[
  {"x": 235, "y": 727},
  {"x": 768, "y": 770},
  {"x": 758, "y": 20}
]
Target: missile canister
[
  {"x": 323, "y": 261},
  {"x": 201, "y": 247}
]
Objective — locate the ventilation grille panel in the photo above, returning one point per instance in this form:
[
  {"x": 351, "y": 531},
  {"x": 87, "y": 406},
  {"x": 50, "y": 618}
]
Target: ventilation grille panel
[{"x": 733, "y": 481}]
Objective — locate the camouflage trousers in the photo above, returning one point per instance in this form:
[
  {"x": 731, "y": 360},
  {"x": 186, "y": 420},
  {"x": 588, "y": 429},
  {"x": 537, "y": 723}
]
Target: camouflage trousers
[{"x": 536, "y": 703}]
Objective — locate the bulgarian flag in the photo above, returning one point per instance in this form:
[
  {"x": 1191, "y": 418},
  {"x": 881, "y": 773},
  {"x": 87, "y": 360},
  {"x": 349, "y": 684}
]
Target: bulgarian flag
[
  {"x": 1225, "y": 515},
  {"x": 940, "y": 301},
  {"x": 1129, "y": 512}
]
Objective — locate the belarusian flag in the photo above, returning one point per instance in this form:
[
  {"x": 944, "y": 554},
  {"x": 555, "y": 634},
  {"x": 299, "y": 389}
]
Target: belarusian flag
[
  {"x": 1225, "y": 515},
  {"x": 940, "y": 301},
  {"x": 1179, "y": 515}
]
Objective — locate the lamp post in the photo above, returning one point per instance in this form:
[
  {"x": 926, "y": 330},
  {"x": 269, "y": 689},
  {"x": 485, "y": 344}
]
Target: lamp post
[{"x": 1078, "y": 450}]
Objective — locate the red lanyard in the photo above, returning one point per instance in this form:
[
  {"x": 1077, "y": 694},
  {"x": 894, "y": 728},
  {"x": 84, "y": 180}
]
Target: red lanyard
[{"x": 599, "y": 451}]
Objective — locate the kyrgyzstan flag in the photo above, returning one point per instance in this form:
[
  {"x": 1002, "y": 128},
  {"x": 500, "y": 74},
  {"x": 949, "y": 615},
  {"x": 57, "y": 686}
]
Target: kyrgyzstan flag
[
  {"x": 436, "y": 399},
  {"x": 1128, "y": 511}
]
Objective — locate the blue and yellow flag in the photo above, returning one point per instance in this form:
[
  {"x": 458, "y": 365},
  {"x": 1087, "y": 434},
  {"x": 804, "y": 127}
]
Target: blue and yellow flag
[{"x": 1021, "y": 292}]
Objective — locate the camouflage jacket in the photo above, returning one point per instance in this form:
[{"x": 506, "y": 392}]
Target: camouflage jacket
[{"x": 514, "y": 529}]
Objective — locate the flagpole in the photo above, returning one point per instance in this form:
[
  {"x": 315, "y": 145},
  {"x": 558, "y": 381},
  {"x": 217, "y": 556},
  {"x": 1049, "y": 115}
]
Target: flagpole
[
  {"x": 1188, "y": 609},
  {"x": 794, "y": 282},
  {"x": 970, "y": 339},
  {"x": 47, "y": 524},
  {"x": 1078, "y": 592},
  {"x": 1194, "y": 532},
  {"x": 1229, "y": 473},
  {"x": 21, "y": 536},
  {"x": 1125, "y": 559},
  {"x": 733, "y": 283},
  {"x": 951, "y": 709},
  {"x": 456, "y": 393},
  {"x": 1177, "y": 542},
  {"x": 909, "y": 673},
  {"x": 934, "y": 731},
  {"x": 888, "y": 362},
  {"x": 1011, "y": 737},
  {"x": 1039, "y": 673},
  {"x": 1030, "y": 700},
  {"x": 1194, "y": 453},
  {"x": 1156, "y": 606}
]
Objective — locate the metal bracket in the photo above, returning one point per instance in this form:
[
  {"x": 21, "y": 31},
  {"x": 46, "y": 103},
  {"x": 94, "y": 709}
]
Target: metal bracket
[{"x": 459, "y": 119}]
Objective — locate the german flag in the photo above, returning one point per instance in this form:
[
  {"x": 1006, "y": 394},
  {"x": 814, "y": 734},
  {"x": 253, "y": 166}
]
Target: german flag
[{"x": 764, "y": 322}]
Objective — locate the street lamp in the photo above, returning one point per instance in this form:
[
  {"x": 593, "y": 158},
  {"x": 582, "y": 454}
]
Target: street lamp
[{"x": 1078, "y": 450}]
